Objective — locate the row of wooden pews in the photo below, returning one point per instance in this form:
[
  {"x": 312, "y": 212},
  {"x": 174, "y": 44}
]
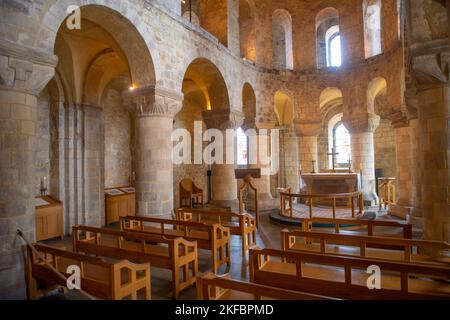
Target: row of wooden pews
[
  {"x": 313, "y": 263},
  {"x": 161, "y": 243}
]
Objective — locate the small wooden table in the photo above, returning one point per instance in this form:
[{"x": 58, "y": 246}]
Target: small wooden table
[
  {"x": 119, "y": 202},
  {"x": 49, "y": 220}
]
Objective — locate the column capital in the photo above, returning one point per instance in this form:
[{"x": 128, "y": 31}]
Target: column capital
[
  {"x": 364, "y": 122},
  {"x": 308, "y": 128},
  {"x": 153, "y": 101},
  {"x": 265, "y": 125},
  {"x": 25, "y": 69},
  {"x": 223, "y": 119}
]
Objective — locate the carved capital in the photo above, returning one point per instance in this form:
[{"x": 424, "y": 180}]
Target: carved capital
[
  {"x": 24, "y": 69},
  {"x": 365, "y": 122},
  {"x": 307, "y": 128},
  {"x": 223, "y": 119},
  {"x": 153, "y": 102}
]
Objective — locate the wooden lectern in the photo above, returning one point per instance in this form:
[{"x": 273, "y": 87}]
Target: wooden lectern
[{"x": 248, "y": 175}]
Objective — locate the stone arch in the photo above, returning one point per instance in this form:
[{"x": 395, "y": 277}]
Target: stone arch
[
  {"x": 203, "y": 76},
  {"x": 329, "y": 98},
  {"x": 119, "y": 21},
  {"x": 327, "y": 27},
  {"x": 284, "y": 109},
  {"x": 372, "y": 27},
  {"x": 376, "y": 86},
  {"x": 247, "y": 30},
  {"x": 249, "y": 105},
  {"x": 282, "y": 40}
]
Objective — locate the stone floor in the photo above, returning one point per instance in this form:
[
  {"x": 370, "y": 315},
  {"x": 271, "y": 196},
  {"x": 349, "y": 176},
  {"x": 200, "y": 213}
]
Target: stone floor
[{"x": 268, "y": 237}]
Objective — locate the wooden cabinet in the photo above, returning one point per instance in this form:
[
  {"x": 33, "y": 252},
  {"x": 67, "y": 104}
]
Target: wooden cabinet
[
  {"x": 119, "y": 202},
  {"x": 49, "y": 219}
]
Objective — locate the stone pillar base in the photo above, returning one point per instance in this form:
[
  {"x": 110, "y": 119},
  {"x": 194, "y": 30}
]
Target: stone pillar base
[
  {"x": 265, "y": 203},
  {"x": 233, "y": 205}
]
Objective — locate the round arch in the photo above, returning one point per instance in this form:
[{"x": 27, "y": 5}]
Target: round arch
[
  {"x": 120, "y": 22},
  {"x": 376, "y": 86},
  {"x": 284, "y": 109},
  {"x": 204, "y": 76}
]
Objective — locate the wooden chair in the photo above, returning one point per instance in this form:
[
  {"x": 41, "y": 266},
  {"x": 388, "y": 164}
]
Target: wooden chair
[
  {"x": 215, "y": 237},
  {"x": 406, "y": 250},
  {"x": 213, "y": 287},
  {"x": 347, "y": 277},
  {"x": 190, "y": 194},
  {"x": 172, "y": 254},
  {"x": 101, "y": 279},
  {"x": 242, "y": 225}
]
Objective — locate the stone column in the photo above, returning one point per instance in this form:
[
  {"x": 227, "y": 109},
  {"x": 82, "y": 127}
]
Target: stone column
[
  {"x": 263, "y": 145},
  {"x": 93, "y": 165},
  {"x": 416, "y": 213},
  {"x": 361, "y": 128},
  {"x": 404, "y": 170},
  {"x": 23, "y": 74},
  {"x": 154, "y": 109},
  {"x": 433, "y": 107},
  {"x": 224, "y": 183},
  {"x": 307, "y": 133},
  {"x": 290, "y": 153}
]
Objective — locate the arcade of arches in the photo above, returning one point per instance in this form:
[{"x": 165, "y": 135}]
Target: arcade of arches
[{"x": 95, "y": 108}]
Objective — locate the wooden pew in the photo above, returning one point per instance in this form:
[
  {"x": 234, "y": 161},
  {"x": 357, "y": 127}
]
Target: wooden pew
[
  {"x": 367, "y": 227},
  {"x": 240, "y": 224},
  {"x": 172, "y": 254},
  {"x": 347, "y": 277},
  {"x": 367, "y": 247},
  {"x": 215, "y": 237},
  {"x": 213, "y": 287},
  {"x": 101, "y": 279}
]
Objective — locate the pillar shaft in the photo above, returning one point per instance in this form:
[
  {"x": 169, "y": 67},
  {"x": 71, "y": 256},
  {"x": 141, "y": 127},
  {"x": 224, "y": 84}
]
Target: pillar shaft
[
  {"x": 404, "y": 166},
  {"x": 416, "y": 213},
  {"x": 308, "y": 152},
  {"x": 154, "y": 109},
  {"x": 22, "y": 81},
  {"x": 224, "y": 183},
  {"x": 434, "y": 143},
  {"x": 362, "y": 127}
]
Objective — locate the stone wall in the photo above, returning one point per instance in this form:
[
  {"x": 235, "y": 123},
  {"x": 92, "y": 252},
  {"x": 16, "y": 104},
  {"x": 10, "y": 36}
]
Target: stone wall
[
  {"x": 118, "y": 167},
  {"x": 385, "y": 151}
]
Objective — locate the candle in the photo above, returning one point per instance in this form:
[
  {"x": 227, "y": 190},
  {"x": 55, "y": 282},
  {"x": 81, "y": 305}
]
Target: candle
[{"x": 43, "y": 183}]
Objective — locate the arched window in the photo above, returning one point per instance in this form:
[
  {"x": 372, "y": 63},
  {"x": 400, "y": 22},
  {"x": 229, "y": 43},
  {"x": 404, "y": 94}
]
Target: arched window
[
  {"x": 247, "y": 31},
  {"x": 372, "y": 27},
  {"x": 341, "y": 145},
  {"x": 333, "y": 41},
  {"x": 242, "y": 148},
  {"x": 282, "y": 40},
  {"x": 328, "y": 39}
]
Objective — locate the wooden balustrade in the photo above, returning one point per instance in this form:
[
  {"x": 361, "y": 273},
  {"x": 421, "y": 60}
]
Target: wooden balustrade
[
  {"x": 288, "y": 197},
  {"x": 387, "y": 192}
]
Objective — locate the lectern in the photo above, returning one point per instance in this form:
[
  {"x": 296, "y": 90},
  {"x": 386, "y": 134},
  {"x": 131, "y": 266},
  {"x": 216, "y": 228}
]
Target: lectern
[{"x": 248, "y": 175}]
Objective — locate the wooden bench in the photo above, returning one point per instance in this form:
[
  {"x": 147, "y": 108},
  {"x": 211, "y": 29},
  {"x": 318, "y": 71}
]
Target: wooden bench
[
  {"x": 363, "y": 246},
  {"x": 240, "y": 224},
  {"x": 213, "y": 287},
  {"x": 215, "y": 237},
  {"x": 347, "y": 277},
  {"x": 101, "y": 279},
  {"x": 359, "y": 226},
  {"x": 172, "y": 254}
]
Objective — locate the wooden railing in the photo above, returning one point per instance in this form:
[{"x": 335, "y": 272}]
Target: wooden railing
[
  {"x": 387, "y": 192},
  {"x": 288, "y": 197}
]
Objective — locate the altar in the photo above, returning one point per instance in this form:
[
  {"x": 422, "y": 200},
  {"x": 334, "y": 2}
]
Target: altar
[{"x": 330, "y": 183}]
